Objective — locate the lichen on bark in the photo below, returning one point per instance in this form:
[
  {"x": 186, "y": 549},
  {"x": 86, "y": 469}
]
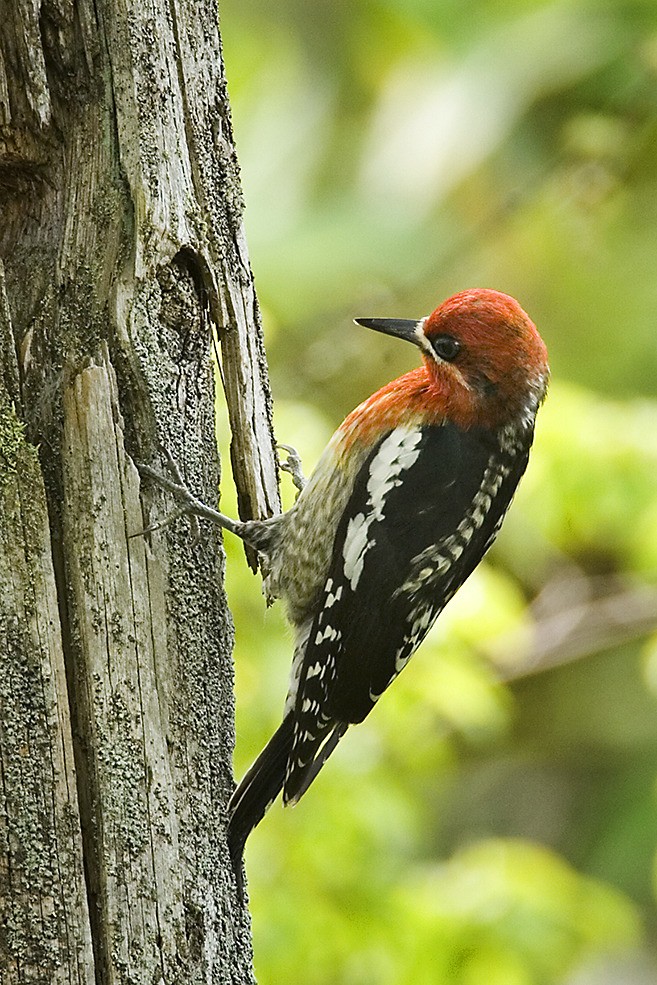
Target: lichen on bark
[{"x": 121, "y": 254}]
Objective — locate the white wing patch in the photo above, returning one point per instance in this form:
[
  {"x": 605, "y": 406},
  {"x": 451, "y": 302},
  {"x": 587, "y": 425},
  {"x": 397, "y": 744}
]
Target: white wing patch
[
  {"x": 435, "y": 561},
  {"x": 332, "y": 598},
  {"x": 396, "y": 453},
  {"x": 328, "y": 633},
  {"x": 419, "y": 621},
  {"x": 354, "y": 548}
]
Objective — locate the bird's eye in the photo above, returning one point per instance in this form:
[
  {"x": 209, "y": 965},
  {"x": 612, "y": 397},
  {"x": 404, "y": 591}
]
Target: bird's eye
[{"x": 446, "y": 347}]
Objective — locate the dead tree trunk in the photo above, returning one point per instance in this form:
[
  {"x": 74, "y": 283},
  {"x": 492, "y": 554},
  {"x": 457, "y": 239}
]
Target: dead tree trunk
[{"x": 121, "y": 247}]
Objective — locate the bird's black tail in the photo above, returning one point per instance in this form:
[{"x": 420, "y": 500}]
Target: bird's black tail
[
  {"x": 308, "y": 757},
  {"x": 258, "y": 789}
]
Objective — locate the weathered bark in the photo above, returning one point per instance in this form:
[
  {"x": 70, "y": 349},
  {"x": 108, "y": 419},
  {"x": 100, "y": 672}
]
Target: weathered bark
[{"x": 121, "y": 246}]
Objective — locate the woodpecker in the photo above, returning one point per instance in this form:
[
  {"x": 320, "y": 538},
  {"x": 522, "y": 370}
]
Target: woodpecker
[{"x": 405, "y": 501}]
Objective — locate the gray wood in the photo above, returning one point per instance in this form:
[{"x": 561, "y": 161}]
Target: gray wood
[{"x": 122, "y": 252}]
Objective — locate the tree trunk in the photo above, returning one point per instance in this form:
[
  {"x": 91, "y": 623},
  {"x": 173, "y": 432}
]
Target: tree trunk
[{"x": 121, "y": 247}]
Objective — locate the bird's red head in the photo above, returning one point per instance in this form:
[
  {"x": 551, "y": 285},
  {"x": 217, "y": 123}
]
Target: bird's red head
[{"x": 485, "y": 361}]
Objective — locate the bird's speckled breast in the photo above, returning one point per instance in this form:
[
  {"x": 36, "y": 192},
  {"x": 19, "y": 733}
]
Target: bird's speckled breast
[{"x": 307, "y": 531}]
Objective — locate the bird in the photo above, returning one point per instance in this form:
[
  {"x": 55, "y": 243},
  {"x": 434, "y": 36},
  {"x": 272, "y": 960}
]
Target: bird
[{"x": 404, "y": 502}]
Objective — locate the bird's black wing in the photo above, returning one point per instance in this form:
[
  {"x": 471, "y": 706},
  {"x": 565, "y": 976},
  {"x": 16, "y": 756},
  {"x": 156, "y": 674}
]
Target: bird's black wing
[{"x": 425, "y": 507}]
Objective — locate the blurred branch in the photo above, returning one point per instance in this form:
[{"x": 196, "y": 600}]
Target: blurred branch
[{"x": 576, "y": 617}]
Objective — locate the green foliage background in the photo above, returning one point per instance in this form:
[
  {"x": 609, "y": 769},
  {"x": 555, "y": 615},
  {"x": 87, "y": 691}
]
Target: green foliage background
[{"x": 493, "y": 823}]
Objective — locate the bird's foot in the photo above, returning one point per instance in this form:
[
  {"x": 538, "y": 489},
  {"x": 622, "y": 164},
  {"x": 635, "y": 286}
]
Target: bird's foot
[
  {"x": 292, "y": 464},
  {"x": 190, "y": 506}
]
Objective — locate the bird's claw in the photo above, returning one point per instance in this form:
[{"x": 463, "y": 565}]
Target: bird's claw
[
  {"x": 172, "y": 466},
  {"x": 292, "y": 464},
  {"x": 161, "y": 524},
  {"x": 175, "y": 485},
  {"x": 190, "y": 506}
]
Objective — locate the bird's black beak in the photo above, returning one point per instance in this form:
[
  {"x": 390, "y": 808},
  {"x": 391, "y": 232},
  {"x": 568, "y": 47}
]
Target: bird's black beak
[{"x": 401, "y": 328}]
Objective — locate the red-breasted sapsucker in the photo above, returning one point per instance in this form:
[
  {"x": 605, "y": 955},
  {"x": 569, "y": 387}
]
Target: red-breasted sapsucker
[{"x": 403, "y": 504}]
